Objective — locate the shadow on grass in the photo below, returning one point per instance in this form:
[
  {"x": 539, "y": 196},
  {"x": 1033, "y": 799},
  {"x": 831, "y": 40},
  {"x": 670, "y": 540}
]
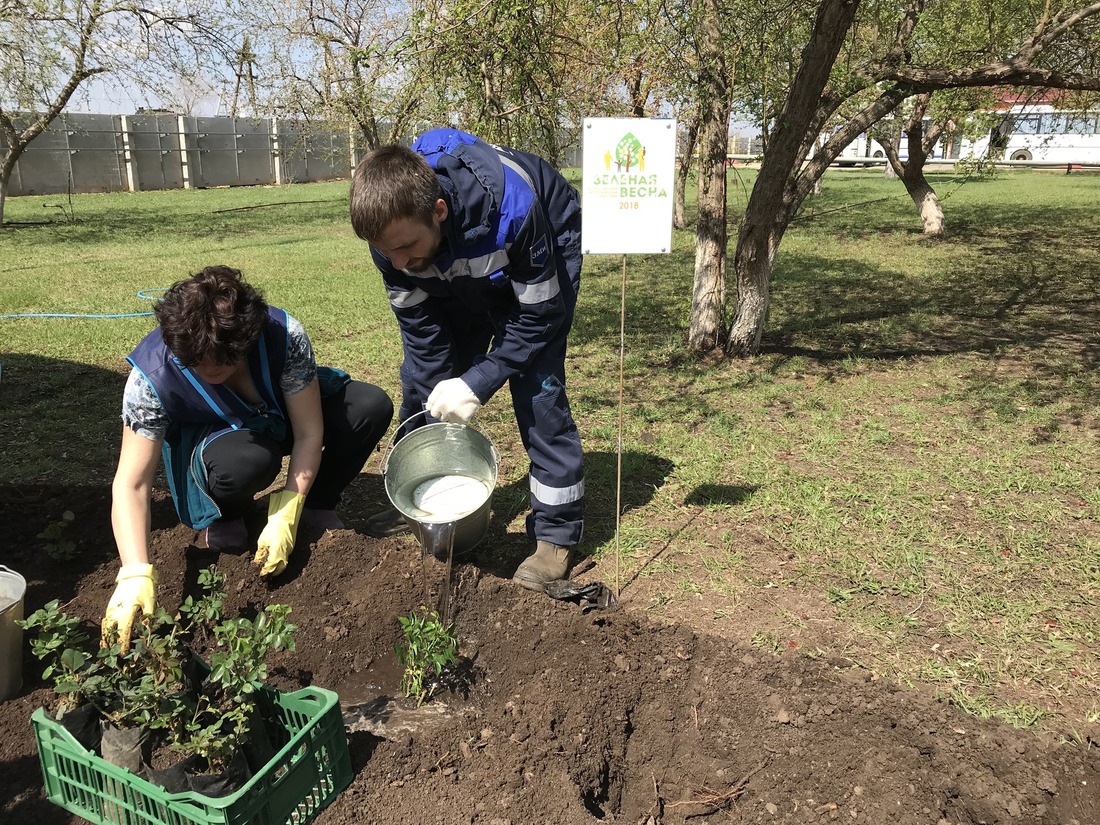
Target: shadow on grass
[
  {"x": 658, "y": 298},
  {"x": 712, "y": 494},
  {"x": 1017, "y": 300},
  {"x": 1005, "y": 287},
  {"x": 59, "y": 420},
  {"x": 207, "y": 216}
]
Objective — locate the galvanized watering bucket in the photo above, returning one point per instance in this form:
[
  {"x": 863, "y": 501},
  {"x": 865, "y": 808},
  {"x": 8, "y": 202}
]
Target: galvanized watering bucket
[
  {"x": 12, "y": 589},
  {"x": 456, "y": 458}
]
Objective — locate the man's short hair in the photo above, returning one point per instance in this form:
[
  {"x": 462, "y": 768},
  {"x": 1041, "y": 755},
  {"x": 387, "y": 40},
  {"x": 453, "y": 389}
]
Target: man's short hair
[{"x": 391, "y": 183}]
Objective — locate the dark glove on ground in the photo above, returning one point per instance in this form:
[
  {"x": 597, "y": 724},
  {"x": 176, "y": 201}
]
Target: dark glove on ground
[{"x": 592, "y": 596}]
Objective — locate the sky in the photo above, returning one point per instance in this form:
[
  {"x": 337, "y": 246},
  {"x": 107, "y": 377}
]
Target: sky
[{"x": 107, "y": 95}]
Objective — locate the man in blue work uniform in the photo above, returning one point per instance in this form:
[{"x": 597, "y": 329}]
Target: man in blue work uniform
[{"x": 479, "y": 248}]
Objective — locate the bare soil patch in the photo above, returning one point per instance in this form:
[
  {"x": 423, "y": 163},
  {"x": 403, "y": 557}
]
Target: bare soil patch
[{"x": 560, "y": 715}]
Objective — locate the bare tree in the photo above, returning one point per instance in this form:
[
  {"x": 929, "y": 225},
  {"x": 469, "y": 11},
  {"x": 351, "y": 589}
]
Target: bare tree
[
  {"x": 49, "y": 48},
  {"x": 343, "y": 61}
]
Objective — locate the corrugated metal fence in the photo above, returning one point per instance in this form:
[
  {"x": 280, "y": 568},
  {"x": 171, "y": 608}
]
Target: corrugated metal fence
[{"x": 112, "y": 153}]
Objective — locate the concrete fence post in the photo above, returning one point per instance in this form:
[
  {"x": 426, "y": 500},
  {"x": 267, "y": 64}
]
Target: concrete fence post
[
  {"x": 185, "y": 149},
  {"x": 276, "y": 155},
  {"x": 127, "y": 154}
]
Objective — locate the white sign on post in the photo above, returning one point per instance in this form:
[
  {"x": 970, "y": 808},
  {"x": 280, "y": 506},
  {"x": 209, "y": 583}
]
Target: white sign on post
[{"x": 629, "y": 171}]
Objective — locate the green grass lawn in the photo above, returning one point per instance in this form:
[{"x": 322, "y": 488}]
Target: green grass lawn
[{"x": 905, "y": 479}]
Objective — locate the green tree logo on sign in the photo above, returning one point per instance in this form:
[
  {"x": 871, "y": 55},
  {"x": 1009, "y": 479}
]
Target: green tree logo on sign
[{"x": 629, "y": 154}]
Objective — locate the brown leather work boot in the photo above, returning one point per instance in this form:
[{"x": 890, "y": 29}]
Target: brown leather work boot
[{"x": 548, "y": 563}]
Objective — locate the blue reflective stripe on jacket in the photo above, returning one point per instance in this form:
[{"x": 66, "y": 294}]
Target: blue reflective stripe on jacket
[{"x": 507, "y": 210}]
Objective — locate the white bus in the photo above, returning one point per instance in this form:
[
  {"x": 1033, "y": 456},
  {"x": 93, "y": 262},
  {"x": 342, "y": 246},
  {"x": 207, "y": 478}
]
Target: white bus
[
  {"x": 1036, "y": 133},
  {"x": 1046, "y": 134},
  {"x": 869, "y": 152}
]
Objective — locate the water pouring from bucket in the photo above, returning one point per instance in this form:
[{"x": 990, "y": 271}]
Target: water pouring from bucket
[{"x": 443, "y": 474}]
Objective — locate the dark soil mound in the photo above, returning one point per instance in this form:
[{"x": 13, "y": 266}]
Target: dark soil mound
[{"x": 558, "y": 715}]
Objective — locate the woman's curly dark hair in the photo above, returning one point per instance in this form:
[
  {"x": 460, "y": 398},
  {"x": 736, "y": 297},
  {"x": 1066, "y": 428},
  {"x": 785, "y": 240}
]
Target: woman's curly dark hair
[{"x": 213, "y": 314}]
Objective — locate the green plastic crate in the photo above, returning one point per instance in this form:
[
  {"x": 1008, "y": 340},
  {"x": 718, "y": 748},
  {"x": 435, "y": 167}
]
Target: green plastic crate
[{"x": 311, "y": 766}]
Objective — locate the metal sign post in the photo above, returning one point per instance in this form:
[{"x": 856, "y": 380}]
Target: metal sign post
[{"x": 629, "y": 168}]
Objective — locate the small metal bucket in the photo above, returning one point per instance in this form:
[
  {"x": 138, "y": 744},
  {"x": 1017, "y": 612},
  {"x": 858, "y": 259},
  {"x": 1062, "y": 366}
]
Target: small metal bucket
[
  {"x": 434, "y": 451},
  {"x": 12, "y": 589}
]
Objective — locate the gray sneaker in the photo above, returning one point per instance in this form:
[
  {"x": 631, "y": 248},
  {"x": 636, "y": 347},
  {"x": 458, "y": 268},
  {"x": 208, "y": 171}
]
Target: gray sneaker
[
  {"x": 230, "y": 534},
  {"x": 387, "y": 523}
]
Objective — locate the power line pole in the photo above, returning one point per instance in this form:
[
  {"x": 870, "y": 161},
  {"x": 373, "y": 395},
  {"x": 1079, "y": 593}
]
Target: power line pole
[{"x": 246, "y": 61}]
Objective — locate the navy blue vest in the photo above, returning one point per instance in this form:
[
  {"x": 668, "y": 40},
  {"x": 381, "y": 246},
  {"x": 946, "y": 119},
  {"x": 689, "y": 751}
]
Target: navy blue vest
[
  {"x": 187, "y": 399},
  {"x": 199, "y": 411}
]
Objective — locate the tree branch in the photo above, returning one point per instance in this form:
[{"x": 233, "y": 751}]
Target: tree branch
[
  {"x": 1002, "y": 73},
  {"x": 906, "y": 27},
  {"x": 885, "y": 103},
  {"x": 1041, "y": 40}
]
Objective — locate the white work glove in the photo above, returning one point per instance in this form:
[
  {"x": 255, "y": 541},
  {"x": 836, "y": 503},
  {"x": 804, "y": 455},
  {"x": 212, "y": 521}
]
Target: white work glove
[{"x": 453, "y": 401}]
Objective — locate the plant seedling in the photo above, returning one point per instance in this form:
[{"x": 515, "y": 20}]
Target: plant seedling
[
  {"x": 57, "y": 641},
  {"x": 59, "y": 546},
  {"x": 221, "y": 719},
  {"x": 207, "y": 610},
  {"x": 429, "y": 647},
  {"x": 146, "y": 686}
]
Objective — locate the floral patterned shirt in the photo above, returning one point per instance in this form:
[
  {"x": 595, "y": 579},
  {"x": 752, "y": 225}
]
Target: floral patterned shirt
[{"x": 143, "y": 413}]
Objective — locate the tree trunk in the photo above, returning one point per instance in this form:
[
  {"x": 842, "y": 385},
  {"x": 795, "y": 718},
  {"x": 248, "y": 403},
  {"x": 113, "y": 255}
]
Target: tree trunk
[
  {"x": 711, "y": 236},
  {"x": 752, "y": 263},
  {"x": 775, "y": 196},
  {"x": 7, "y": 166},
  {"x": 895, "y": 141},
  {"x": 683, "y": 172},
  {"x": 924, "y": 196},
  {"x": 911, "y": 171},
  {"x": 679, "y": 210}
]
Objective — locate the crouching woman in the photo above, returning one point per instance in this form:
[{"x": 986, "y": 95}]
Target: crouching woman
[{"x": 223, "y": 390}]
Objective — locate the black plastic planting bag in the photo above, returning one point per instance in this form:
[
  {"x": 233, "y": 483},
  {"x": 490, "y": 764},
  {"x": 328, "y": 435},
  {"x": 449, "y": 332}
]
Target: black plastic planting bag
[
  {"x": 188, "y": 775},
  {"x": 230, "y": 780},
  {"x": 84, "y": 725},
  {"x": 258, "y": 749},
  {"x": 124, "y": 747},
  {"x": 173, "y": 778}
]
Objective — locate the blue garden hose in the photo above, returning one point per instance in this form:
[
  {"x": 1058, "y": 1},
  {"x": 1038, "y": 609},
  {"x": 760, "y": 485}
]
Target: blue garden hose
[{"x": 142, "y": 293}]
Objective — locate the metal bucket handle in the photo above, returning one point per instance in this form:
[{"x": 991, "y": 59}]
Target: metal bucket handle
[{"x": 393, "y": 439}]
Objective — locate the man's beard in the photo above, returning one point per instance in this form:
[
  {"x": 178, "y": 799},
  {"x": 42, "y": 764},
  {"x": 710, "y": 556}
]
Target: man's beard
[{"x": 421, "y": 265}]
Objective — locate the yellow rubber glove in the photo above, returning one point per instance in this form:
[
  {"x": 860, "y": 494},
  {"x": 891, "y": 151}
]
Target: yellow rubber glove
[
  {"x": 276, "y": 543},
  {"x": 136, "y": 592}
]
